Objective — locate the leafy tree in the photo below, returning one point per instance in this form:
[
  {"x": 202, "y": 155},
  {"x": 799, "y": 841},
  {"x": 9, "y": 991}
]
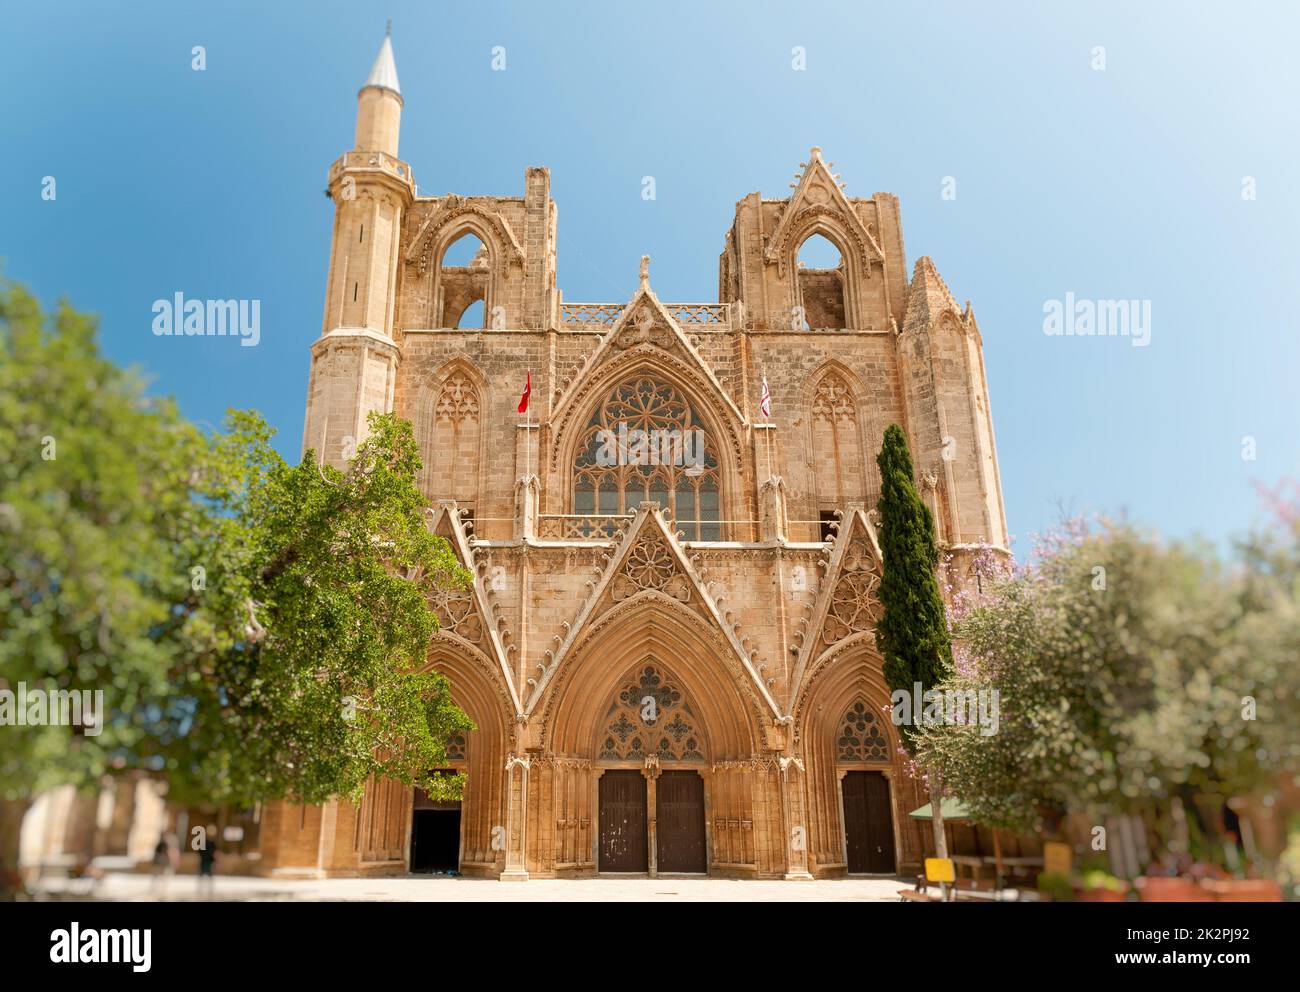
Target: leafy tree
[
  {"x": 1124, "y": 668},
  {"x": 257, "y": 630},
  {"x": 913, "y": 631},
  {"x": 330, "y": 573},
  {"x": 96, "y": 529}
]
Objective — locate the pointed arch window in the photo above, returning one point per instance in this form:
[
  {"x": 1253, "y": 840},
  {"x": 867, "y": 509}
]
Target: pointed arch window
[
  {"x": 821, "y": 279},
  {"x": 861, "y": 737},
  {"x": 463, "y": 285},
  {"x": 838, "y": 466},
  {"x": 449, "y": 434},
  {"x": 645, "y": 442},
  {"x": 647, "y": 717}
]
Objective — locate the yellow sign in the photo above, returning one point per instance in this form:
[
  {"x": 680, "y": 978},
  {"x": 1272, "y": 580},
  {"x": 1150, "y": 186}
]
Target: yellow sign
[
  {"x": 1056, "y": 858},
  {"x": 939, "y": 870}
]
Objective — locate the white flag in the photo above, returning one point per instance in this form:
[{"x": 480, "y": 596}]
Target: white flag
[{"x": 765, "y": 402}]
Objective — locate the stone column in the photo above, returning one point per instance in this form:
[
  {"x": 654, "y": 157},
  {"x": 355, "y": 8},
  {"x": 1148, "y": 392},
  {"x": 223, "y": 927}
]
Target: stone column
[
  {"x": 516, "y": 819},
  {"x": 792, "y": 815},
  {"x": 651, "y": 773}
]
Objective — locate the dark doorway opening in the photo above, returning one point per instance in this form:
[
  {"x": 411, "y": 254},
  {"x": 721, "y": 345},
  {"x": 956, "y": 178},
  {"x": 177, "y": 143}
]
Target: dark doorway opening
[
  {"x": 868, "y": 823},
  {"x": 623, "y": 822},
  {"x": 435, "y": 840},
  {"x": 679, "y": 823}
]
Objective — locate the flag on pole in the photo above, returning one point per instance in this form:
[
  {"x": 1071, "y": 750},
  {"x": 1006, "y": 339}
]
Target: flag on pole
[
  {"x": 528, "y": 391},
  {"x": 765, "y": 401}
]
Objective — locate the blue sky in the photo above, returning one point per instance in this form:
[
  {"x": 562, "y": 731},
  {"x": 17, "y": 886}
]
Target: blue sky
[{"x": 1124, "y": 183}]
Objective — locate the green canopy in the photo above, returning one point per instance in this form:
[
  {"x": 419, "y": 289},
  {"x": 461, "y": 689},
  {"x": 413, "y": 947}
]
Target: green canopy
[{"x": 951, "y": 808}]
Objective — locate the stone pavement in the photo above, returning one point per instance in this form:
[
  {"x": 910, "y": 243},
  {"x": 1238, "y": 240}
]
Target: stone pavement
[{"x": 425, "y": 888}]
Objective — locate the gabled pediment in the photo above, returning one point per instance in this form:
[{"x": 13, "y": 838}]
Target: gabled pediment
[
  {"x": 466, "y": 615},
  {"x": 848, "y": 602},
  {"x": 645, "y": 326},
  {"x": 650, "y": 563},
  {"x": 819, "y": 197}
]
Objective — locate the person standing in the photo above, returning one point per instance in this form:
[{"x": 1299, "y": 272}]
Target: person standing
[
  {"x": 165, "y": 859},
  {"x": 208, "y": 854}
]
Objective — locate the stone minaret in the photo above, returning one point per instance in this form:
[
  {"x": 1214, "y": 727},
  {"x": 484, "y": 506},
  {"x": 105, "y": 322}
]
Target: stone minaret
[{"x": 354, "y": 363}]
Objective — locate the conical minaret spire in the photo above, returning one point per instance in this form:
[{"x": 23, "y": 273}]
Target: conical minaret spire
[
  {"x": 383, "y": 74},
  {"x": 379, "y": 104}
]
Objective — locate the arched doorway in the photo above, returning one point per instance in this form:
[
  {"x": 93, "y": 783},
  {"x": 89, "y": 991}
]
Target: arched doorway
[
  {"x": 689, "y": 713},
  {"x": 435, "y": 824},
  {"x": 653, "y": 726}
]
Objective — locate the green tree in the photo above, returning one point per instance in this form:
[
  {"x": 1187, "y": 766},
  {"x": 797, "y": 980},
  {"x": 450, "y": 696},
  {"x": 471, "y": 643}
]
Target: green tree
[
  {"x": 1130, "y": 673},
  {"x": 321, "y": 684},
  {"x": 96, "y": 529},
  {"x": 258, "y": 630},
  {"x": 913, "y": 632}
]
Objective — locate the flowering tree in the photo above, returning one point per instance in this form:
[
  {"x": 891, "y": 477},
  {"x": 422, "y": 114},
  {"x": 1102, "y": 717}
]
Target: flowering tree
[{"x": 1129, "y": 672}]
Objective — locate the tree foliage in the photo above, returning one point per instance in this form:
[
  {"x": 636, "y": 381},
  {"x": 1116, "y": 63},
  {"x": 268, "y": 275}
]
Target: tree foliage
[
  {"x": 329, "y": 574},
  {"x": 913, "y": 632},
  {"x": 1129, "y": 671},
  {"x": 258, "y": 630},
  {"x": 97, "y": 529}
]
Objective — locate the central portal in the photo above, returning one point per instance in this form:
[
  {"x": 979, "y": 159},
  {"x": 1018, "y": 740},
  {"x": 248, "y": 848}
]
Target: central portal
[{"x": 623, "y": 822}]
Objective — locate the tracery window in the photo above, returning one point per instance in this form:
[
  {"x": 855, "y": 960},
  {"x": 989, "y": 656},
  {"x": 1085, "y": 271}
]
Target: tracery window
[
  {"x": 649, "y": 717},
  {"x": 450, "y": 448},
  {"x": 855, "y": 601},
  {"x": 837, "y": 451},
  {"x": 647, "y": 443},
  {"x": 456, "y": 747},
  {"x": 861, "y": 738}
]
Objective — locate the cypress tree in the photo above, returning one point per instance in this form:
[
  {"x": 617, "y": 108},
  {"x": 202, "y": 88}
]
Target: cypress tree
[{"x": 913, "y": 632}]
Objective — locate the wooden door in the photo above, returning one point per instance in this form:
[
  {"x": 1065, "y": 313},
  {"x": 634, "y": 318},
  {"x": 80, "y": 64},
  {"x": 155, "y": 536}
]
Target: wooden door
[
  {"x": 623, "y": 822},
  {"x": 679, "y": 822},
  {"x": 868, "y": 823}
]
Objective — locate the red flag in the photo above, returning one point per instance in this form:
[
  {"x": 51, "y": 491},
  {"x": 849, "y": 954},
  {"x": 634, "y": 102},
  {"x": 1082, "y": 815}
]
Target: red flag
[{"x": 528, "y": 391}]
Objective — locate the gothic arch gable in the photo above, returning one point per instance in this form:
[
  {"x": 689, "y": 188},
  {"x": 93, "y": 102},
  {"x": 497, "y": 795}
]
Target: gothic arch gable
[
  {"x": 458, "y": 215},
  {"x": 649, "y": 567},
  {"x": 566, "y": 426},
  {"x": 847, "y": 607},
  {"x": 645, "y": 329},
  {"x": 653, "y": 625},
  {"x": 470, "y": 615}
]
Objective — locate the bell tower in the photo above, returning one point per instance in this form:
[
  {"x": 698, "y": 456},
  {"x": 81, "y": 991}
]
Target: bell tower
[{"x": 354, "y": 362}]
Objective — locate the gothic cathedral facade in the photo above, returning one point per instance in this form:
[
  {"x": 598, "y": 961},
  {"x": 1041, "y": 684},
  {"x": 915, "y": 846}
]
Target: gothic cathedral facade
[{"x": 668, "y": 650}]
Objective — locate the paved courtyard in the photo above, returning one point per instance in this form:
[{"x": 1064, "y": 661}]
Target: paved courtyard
[{"x": 129, "y": 887}]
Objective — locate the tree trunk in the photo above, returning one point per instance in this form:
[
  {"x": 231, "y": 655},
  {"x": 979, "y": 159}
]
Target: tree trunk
[
  {"x": 936, "y": 818},
  {"x": 12, "y": 813}
]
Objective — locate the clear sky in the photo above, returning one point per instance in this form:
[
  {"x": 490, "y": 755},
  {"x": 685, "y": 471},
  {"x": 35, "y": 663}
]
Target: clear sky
[{"x": 1117, "y": 183}]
